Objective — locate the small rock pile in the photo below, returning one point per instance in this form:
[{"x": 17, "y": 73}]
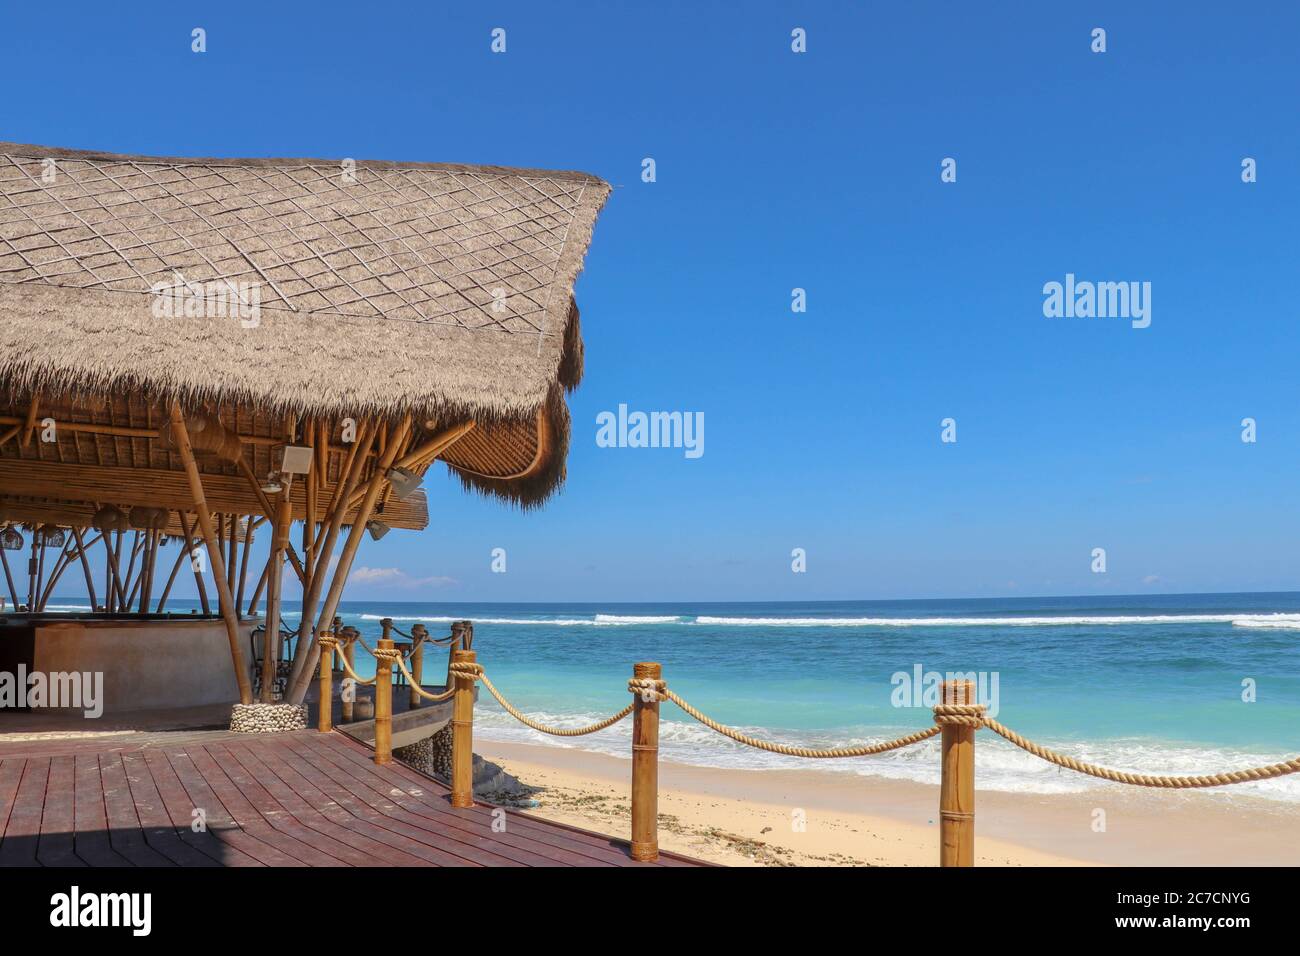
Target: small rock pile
[{"x": 268, "y": 718}]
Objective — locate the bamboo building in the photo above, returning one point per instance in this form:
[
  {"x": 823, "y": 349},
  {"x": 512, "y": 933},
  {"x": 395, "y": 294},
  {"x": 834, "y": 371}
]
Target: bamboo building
[{"x": 199, "y": 353}]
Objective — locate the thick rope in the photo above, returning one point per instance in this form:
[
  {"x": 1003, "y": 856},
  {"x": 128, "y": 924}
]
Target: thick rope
[
  {"x": 1143, "y": 780},
  {"x": 863, "y": 750},
  {"x": 475, "y": 672},
  {"x": 343, "y": 658},
  {"x": 420, "y": 691},
  {"x": 959, "y": 715},
  {"x": 328, "y": 644}
]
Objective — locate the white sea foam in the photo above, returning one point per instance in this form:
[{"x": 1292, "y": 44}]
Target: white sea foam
[
  {"x": 1278, "y": 620},
  {"x": 636, "y": 619},
  {"x": 600, "y": 620},
  {"x": 1241, "y": 620},
  {"x": 1001, "y": 766}
]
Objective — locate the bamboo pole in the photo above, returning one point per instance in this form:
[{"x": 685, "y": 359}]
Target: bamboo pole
[
  {"x": 417, "y": 670},
  {"x": 383, "y": 704},
  {"x": 326, "y": 694},
  {"x": 29, "y": 426},
  {"x": 9, "y": 579},
  {"x": 274, "y": 587},
  {"x": 269, "y": 510},
  {"x": 434, "y": 447},
  {"x": 645, "y": 766},
  {"x": 243, "y": 565},
  {"x": 31, "y": 569},
  {"x": 150, "y": 563},
  {"x": 349, "y": 650},
  {"x": 60, "y": 565},
  {"x": 462, "y": 735},
  {"x": 198, "y": 575},
  {"x": 261, "y": 586},
  {"x": 85, "y": 566},
  {"x": 957, "y": 785},
  {"x": 224, "y": 598},
  {"x": 311, "y": 593},
  {"x": 376, "y": 485},
  {"x": 232, "y": 547},
  {"x": 457, "y": 641},
  {"x": 187, "y": 532}
]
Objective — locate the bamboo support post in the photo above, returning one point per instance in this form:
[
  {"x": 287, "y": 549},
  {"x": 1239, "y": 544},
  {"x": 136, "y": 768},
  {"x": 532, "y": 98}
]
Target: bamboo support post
[
  {"x": 417, "y": 669},
  {"x": 645, "y": 766},
  {"x": 383, "y": 704},
  {"x": 957, "y": 786},
  {"x": 457, "y": 641},
  {"x": 462, "y": 734},
  {"x": 224, "y": 598},
  {"x": 326, "y": 702}
]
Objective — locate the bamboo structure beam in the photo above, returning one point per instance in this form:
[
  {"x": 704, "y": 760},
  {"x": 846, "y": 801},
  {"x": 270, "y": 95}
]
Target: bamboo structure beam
[
  {"x": 82, "y": 548},
  {"x": 9, "y": 578},
  {"x": 29, "y": 426},
  {"x": 426, "y": 452},
  {"x": 224, "y": 597},
  {"x": 162, "y": 488},
  {"x": 307, "y": 657},
  {"x": 311, "y": 595}
]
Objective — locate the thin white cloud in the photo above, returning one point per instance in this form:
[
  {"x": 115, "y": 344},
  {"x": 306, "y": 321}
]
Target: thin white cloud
[{"x": 397, "y": 578}]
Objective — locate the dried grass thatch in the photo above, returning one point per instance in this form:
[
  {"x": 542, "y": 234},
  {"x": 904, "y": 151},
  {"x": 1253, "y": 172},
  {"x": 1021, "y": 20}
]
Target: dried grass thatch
[{"x": 379, "y": 285}]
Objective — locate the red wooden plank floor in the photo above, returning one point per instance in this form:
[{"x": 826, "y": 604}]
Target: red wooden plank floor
[{"x": 300, "y": 799}]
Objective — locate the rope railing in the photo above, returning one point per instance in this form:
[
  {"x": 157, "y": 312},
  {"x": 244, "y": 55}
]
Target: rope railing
[
  {"x": 957, "y": 719},
  {"x": 863, "y": 750},
  {"x": 1224, "y": 779}
]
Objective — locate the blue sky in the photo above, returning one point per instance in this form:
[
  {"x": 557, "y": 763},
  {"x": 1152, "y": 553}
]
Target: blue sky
[{"x": 820, "y": 170}]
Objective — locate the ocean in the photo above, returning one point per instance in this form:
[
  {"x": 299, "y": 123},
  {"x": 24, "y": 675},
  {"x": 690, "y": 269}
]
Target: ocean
[{"x": 1145, "y": 683}]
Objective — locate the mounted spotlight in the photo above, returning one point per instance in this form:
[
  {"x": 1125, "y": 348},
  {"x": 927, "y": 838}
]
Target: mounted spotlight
[
  {"x": 11, "y": 540},
  {"x": 52, "y": 535},
  {"x": 377, "y": 529},
  {"x": 295, "y": 459},
  {"x": 272, "y": 485},
  {"x": 404, "y": 481}
]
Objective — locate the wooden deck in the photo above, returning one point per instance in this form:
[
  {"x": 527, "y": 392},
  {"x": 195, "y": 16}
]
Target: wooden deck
[{"x": 299, "y": 799}]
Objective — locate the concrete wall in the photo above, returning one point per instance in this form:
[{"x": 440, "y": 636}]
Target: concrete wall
[{"x": 146, "y": 664}]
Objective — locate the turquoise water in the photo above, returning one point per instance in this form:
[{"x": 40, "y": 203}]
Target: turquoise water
[{"x": 1142, "y": 683}]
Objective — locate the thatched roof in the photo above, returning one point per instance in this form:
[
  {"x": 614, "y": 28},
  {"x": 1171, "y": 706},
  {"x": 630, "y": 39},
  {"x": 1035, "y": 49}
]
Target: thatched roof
[{"x": 442, "y": 290}]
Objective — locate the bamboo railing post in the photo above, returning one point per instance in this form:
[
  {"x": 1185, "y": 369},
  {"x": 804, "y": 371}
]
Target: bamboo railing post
[
  {"x": 457, "y": 641},
  {"x": 383, "y": 703},
  {"x": 645, "y": 766},
  {"x": 326, "y": 694},
  {"x": 957, "y": 786},
  {"x": 462, "y": 734},
  {"x": 418, "y": 634}
]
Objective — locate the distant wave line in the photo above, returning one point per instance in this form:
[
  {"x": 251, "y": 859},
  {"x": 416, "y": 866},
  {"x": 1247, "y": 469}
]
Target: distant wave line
[
  {"x": 1274, "y": 620},
  {"x": 1241, "y": 620}
]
